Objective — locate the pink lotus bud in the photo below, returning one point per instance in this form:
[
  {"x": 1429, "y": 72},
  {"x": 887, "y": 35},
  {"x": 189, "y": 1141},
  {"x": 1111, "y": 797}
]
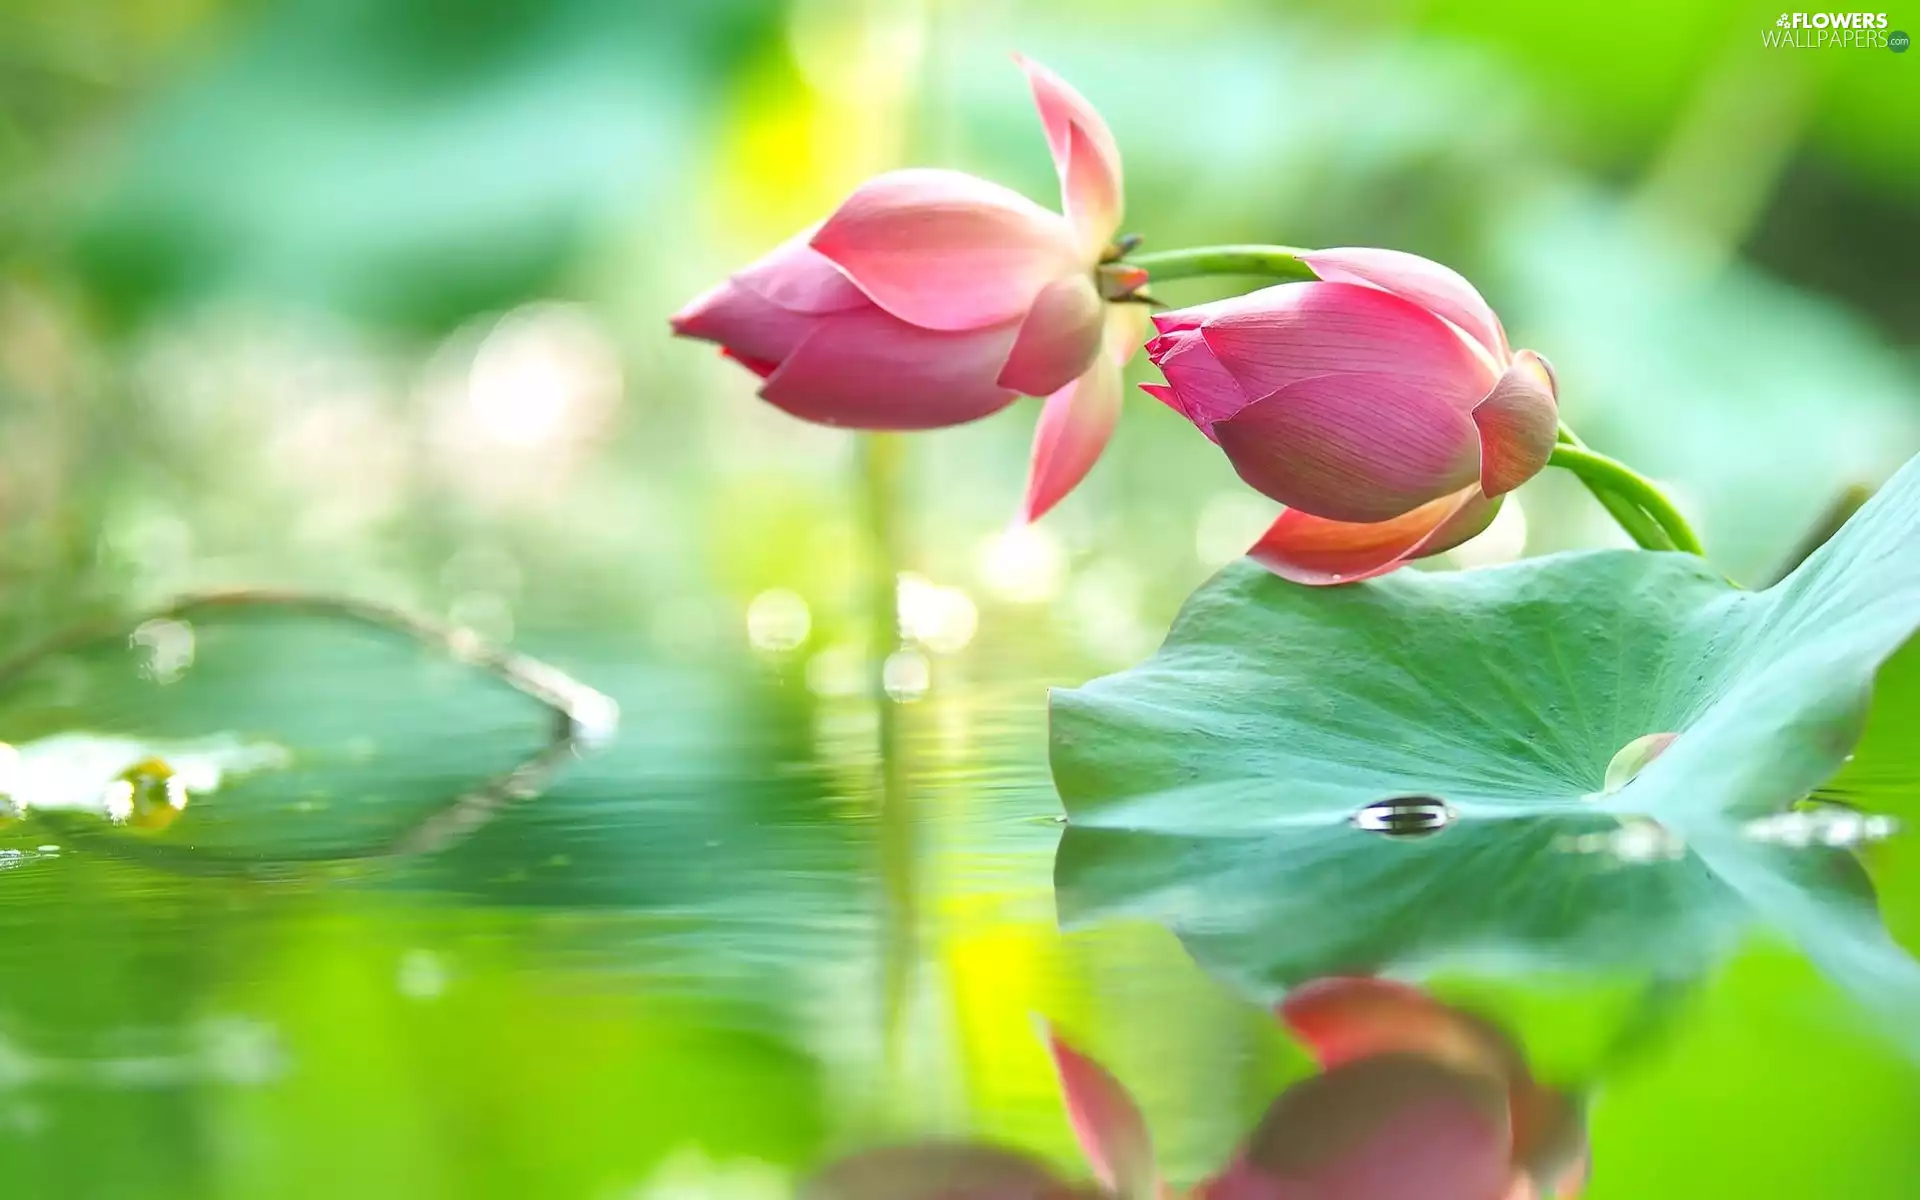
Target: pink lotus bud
[
  {"x": 1380, "y": 404},
  {"x": 931, "y": 298}
]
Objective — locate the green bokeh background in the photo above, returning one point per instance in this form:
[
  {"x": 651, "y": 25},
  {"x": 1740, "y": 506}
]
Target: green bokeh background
[{"x": 369, "y": 297}]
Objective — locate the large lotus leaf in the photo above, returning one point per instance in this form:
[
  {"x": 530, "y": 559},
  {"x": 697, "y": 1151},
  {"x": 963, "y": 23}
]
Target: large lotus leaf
[{"x": 1213, "y": 787}]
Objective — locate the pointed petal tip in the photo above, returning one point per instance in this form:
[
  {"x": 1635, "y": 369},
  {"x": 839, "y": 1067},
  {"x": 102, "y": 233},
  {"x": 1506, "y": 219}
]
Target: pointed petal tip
[
  {"x": 1085, "y": 156},
  {"x": 1074, "y": 428},
  {"x": 1518, "y": 423},
  {"x": 688, "y": 320},
  {"x": 1106, "y": 1122},
  {"x": 763, "y": 367}
]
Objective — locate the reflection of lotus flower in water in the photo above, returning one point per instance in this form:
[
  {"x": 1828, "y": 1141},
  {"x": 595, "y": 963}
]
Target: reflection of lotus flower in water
[{"x": 1416, "y": 1101}]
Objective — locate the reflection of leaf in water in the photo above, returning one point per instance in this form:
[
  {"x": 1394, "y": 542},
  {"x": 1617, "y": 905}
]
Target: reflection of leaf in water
[
  {"x": 1212, "y": 787},
  {"x": 298, "y": 729},
  {"x": 710, "y": 821}
]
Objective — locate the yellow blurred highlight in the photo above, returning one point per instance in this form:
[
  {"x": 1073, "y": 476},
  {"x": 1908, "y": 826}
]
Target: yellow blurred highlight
[{"x": 814, "y": 117}]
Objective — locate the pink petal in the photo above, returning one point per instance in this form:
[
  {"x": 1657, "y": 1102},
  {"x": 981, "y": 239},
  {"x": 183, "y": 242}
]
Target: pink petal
[
  {"x": 867, "y": 370},
  {"x": 1344, "y": 1019},
  {"x": 1196, "y": 315},
  {"x": 1126, "y": 330},
  {"x": 1108, "y": 1125},
  {"x": 798, "y": 277},
  {"x": 945, "y": 250},
  {"x": 1164, "y": 394},
  {"x": 1312, "y": 550},
  {"x": 1085, "y": 155},
  {"x": 1202, "y": 390},
  {"x": 1387, "y": 1128},
  {"x": 1352, "y": 447},
  {"x": 1300, "y": 330},
  {"x": 1519, "y": 423},
  {"x": 1442, "y": 290},
  {"x": 1060, "y": 336},
  {"x": 747, "y": 324},
  {"x": 1074, "y": 428},
  {"x": 935, "y": 1172},
  {"x": 759, "y": 366}
]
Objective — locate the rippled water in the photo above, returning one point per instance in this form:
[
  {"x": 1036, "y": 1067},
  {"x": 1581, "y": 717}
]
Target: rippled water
[{"x": 709, "y": 954}]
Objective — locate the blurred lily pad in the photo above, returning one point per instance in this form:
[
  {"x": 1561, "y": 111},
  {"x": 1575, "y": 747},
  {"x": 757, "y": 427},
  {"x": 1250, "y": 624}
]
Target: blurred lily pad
[
  {"x": 1214, "y": 787},
  {"x": 1756, "y": 401},
  {"x": 400, "y": 162},
  {"x": 239, "y": 729}
]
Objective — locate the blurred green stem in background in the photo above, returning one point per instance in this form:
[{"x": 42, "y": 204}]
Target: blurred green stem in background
[
  {"x": 1273, "y": 262},
  {"x": 1620, "y": 488},
  {"x": 882, "y": 461}
]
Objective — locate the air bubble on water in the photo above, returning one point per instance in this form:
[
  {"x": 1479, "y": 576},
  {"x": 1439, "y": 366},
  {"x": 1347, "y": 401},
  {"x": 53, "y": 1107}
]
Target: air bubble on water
[
  {"x": 943, "y": 619},
  {"x": 168, "y": 647},
  {"x": 906, "y": 675},
  {"x": 778, "y": 620},
  {"x": 1405, "y": 816}
]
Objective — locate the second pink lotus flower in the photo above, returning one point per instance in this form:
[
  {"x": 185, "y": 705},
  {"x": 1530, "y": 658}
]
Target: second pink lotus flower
[{"x": 1380, "y": 403}]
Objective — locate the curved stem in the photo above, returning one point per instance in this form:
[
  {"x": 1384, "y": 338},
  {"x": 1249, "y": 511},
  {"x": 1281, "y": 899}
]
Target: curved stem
[
  {"x": 1600, "y": 473},
  {"x": 1274, "y": 262},
  {"x": 1643, "y": 529}
]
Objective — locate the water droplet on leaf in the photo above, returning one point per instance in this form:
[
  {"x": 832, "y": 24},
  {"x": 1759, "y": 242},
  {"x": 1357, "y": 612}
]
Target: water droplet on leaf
[{"x": 1405, "y": 816}]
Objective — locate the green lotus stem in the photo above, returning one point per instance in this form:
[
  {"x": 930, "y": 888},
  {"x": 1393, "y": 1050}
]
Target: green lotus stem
[
  {"x": 882, "y": 473},
  {"x": 1643, "y": 529},
  {"x": 1605, "y": 475},
  {"x": 1273, "y": 262}
]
